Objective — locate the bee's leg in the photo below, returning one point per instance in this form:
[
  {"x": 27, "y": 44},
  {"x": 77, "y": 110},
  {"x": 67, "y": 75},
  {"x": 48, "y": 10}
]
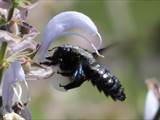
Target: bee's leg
[
  {"x": 72, "y": 85},
  {"x": 46, "y": 63},
  {"x": 49, "y": 58},
  {"x": 66, "y": 73},
  {"x": 78, "y": 78}
]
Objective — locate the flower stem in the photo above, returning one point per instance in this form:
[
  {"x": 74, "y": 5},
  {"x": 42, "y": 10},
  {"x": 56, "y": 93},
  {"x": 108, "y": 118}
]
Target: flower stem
[
  {"x": 2, "y": 57},
  {"x": 10, "y": 13}
]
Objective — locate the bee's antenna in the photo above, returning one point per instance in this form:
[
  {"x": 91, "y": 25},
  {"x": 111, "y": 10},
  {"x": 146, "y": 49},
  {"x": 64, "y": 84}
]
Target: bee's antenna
[
  {"x": 96, "y": 51},
  {"x": 101, "y": 50}
]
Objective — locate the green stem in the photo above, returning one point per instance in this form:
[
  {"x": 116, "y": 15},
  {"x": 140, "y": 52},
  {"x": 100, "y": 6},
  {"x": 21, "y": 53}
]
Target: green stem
[
  {"x": 10, "y": 13},
  {"x": 3, "y": 51},
  {"x": 2, "y": 57}
]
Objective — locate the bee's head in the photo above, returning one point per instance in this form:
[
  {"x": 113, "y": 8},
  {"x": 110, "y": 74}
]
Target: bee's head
[{"x": 60, "y": 54}]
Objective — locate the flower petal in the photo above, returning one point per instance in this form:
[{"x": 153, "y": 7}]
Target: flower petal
[
  {"x": 13, "y": 74},
  {"x": 22, "y": 90},
  {"x": 11, "y": 39},
  {"x": 62, "y": 22},
  {"x": 5, "y": 4},
  {"x": 151, "y": 106},
  {"x": 39, "y": 73},
  {"x": 23, "y": 9},
  {"x": 6, "y": 94},
  {"x": 18, "y": 43},
  {"x": 18, "y": 71}
]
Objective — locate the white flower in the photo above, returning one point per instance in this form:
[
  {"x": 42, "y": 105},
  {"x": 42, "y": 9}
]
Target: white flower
[
  {"x": 61, "y": 23},
  {"x": 152, "y": 100},
  {"x": 151, "y": 105}
]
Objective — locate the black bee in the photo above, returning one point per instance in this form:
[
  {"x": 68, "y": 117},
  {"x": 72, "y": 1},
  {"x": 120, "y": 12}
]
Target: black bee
[{"x": 80, "y": 65}]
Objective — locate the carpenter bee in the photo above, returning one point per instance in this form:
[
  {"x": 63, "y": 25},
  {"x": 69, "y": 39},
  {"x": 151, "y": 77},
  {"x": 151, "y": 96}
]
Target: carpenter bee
[{"x": 80, "y": 65}]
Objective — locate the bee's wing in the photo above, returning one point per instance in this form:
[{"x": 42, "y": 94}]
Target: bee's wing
[
  {"x": 121, "y": 44},
  {"x": 58, "y": 80},
  {"x": 105, "y": 49}
]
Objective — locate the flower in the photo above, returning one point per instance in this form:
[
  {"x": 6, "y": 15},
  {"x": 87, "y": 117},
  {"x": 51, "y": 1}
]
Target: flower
[
  {"x": 59, "y": 26},
  {"x": 23, "y": 9},
  {"x": 11, "y": 83},
  {"x": 152, "y": 104},
  {"x": 19, "y": 45},
  {"x": 16, "y": 43},
  {"x": 17, "y": 48},
  {"x": 15, "y": 90}
]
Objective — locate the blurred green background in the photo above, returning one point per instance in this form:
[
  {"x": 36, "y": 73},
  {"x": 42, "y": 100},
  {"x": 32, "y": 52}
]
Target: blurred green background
[{"x": 136, "y": 26}]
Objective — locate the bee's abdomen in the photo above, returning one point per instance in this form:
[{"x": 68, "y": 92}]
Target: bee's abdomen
[{"x": 106, "y": 82}]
